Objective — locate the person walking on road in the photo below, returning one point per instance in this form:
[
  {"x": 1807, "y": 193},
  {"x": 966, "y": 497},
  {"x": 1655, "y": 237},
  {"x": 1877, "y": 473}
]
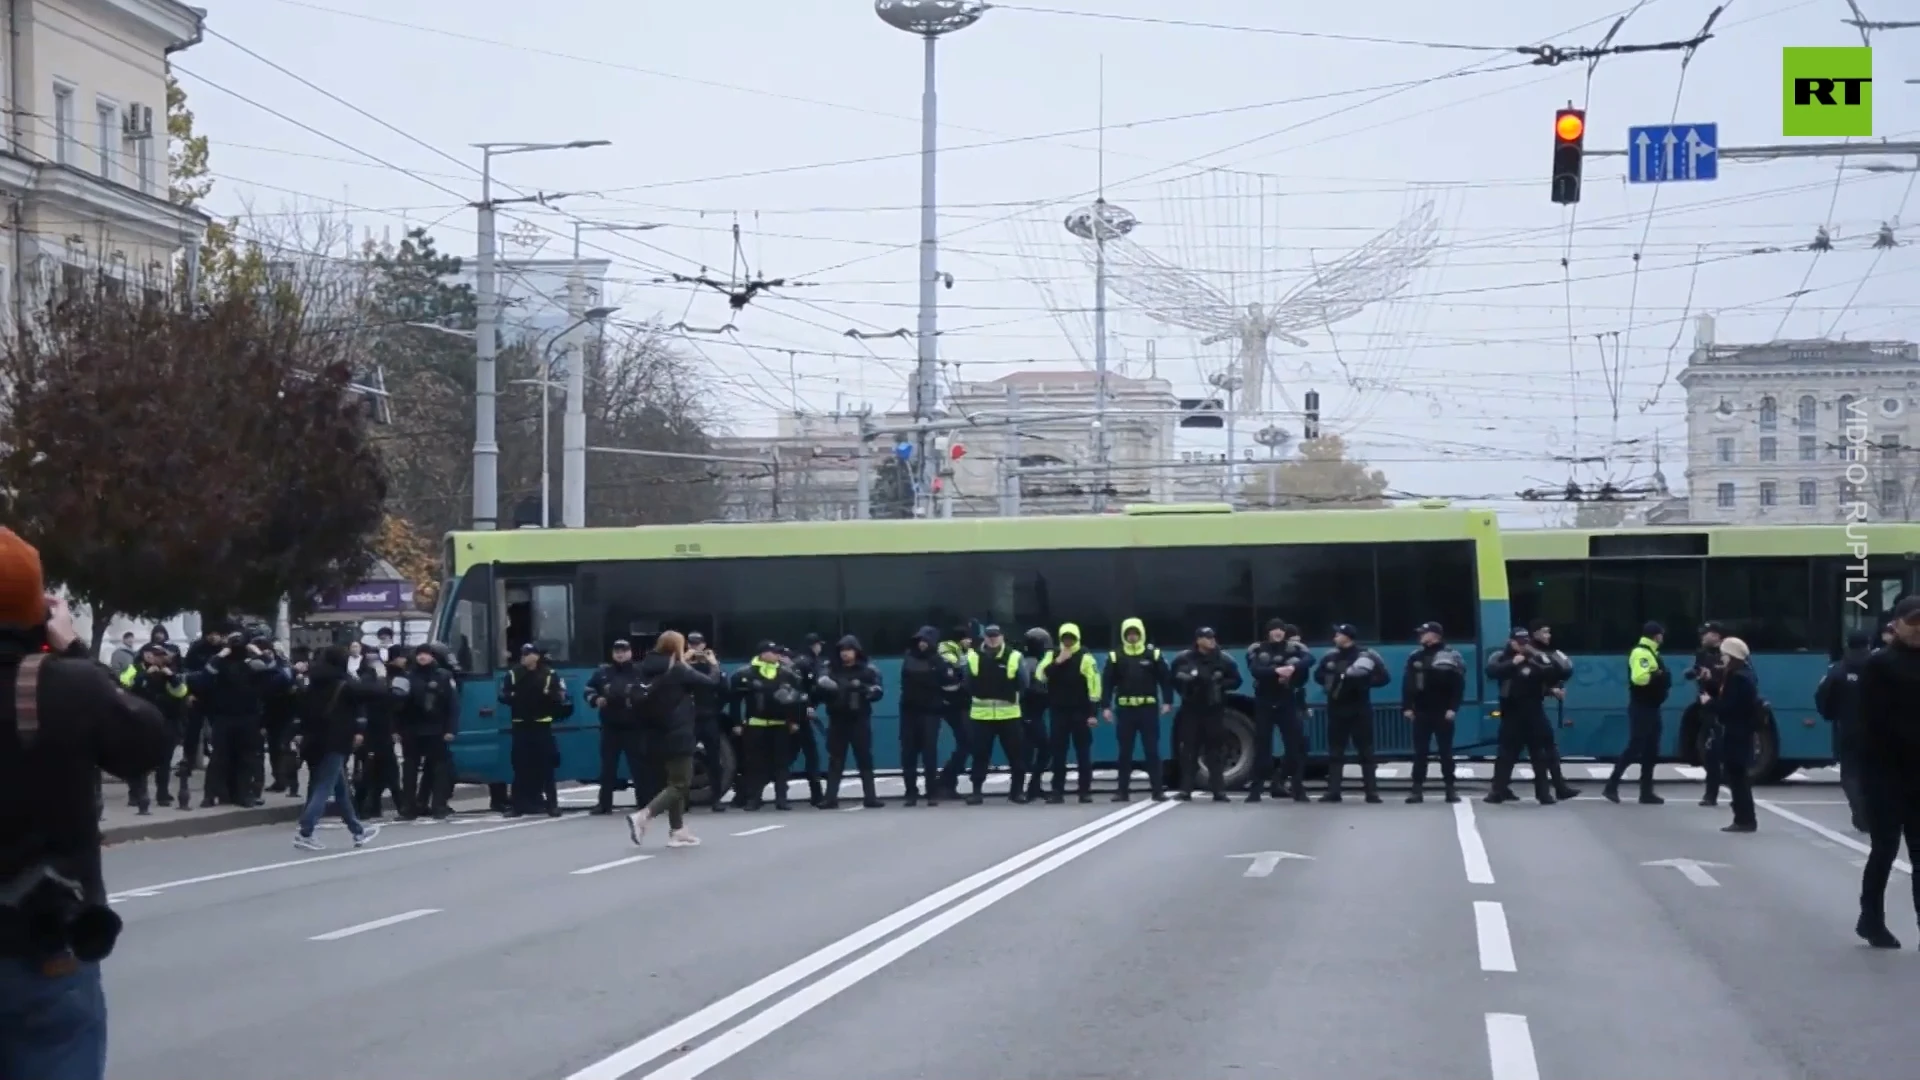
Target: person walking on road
[
  {"x": 1648, "y": 683},
  {"x": 1837, "y": 699},
  {"x": 1740, "y": 709},
  {"x": 661, "y": 693},
  {"x": 332, "y": 709},
  {"x": 1889, "y": 748}
]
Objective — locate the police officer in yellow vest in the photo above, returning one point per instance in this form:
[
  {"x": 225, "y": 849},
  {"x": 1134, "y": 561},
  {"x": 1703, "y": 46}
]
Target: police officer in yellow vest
[
  {"x": 1138, "y": 693},
  {"x": 1073, "y": 688},
  {"x": 533, "y": 695},
  {"x": 993, "y": 684}
]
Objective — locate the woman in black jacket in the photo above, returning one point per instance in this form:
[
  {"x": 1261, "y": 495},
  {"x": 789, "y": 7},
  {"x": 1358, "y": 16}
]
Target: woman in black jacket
[
  {"x": 1739, "y": 713},
  {"x": 331, "y": 706},
  {"x": 662, "y": 694}
]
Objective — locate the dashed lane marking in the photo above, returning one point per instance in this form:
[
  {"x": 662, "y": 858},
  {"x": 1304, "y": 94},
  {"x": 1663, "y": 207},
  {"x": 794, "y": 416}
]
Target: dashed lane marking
[
  {"x": 615, "y": 864},
  {"x": 377, "y": 924}
]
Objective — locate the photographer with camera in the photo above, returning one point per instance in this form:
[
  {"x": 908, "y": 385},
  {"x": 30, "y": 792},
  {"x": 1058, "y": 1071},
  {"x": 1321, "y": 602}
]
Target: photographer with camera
[
  {"x": 233, "y": 690},
  {"x": 153, "y": 679},
  {"x": 65, "y": 720}
]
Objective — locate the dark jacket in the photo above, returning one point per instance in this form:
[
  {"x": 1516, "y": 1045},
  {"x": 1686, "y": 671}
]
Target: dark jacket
[
  {"x": 664, "y": 705},
  {"x": 1890, "y": 718},
  {"x": 1435, "y": 680},
  {"x": 1204, "y": 680},
  {"x": 1350, "y": 676},
  {"x": 1838, "y": 700},
  {"x": 236, "y": 685},
  {"x": 331, "y": 706},
  {"x": 1524, "y": 674},
  {"x": 1739, "y": 701},
  {"x": 429, "y": 701},
  {"x": 532, "y": 696},
  {"x": 1706, "y": 671},
  {"x": 762, "y": 691},
  {"x": 165, "y": 689},
  {"x": 1266, "y": 656},
  {"x": 849, "y": 690},
  {"x": 86, "y": 724},
  {"x": 924, "y": 675},
  {"x": 613, "y": 685},
  {"x": 379, "y": 708},
  {"x": 1136, "y": 673},
  {"x": 1072, "y": 678},
  {"x": 709, "y": 699}
]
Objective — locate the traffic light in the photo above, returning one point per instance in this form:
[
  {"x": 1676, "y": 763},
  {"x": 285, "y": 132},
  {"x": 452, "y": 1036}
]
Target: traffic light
[{"x": 1569, "y": 141}]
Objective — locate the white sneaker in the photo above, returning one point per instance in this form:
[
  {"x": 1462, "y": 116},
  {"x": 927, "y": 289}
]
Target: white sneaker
[
  {"x": 308, "y": 843},
  {"x": 367, "y": 833},
  {"x": 637, "y": 823},
  {"x": 682, "y": 838}
]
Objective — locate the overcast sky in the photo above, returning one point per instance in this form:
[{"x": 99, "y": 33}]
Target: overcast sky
[{"x": 1249, "y": 150}]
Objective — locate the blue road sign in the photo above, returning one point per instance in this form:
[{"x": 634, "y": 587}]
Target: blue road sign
[{"x": 1666, "y": 152}]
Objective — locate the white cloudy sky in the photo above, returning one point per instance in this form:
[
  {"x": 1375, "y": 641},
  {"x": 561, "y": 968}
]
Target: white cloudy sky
[{"x": 1249, "y": 148}]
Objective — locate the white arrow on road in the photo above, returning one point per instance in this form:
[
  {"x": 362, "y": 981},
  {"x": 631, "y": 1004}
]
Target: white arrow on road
[
  {"x": 1694, "y": 870},
  {"x": 1667, "y": 158},
  {"x": 1697, "y": 148},
  {"x": 1640, "y": 146},
  {"x": 1264, "y": 861}
]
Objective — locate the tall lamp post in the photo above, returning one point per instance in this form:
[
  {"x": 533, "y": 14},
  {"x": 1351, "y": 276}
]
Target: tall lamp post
[
  {"x": 573, "y": 430},
  {"x": 486, "y": 448},
  {"x": 575, "y": 373},
  {"x": 929, "y": 19}
]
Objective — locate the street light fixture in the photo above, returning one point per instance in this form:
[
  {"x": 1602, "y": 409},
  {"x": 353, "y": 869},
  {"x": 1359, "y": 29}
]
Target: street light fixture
[
  {"x": 546, "y": 384},
  {"x": 486, "y": 448},
  {"x": 930, "y": 19}
]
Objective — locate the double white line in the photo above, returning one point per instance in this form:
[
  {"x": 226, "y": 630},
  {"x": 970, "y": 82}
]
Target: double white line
[{"x": 979, "y": 892}]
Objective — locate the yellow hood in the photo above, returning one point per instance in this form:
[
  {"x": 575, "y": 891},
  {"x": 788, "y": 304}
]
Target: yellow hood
[
  {"x": 1068, "y": 630},
  {"x": 1128, "y": 647}
]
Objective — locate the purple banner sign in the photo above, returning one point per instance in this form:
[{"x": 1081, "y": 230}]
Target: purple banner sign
[{"x": 372, "y": 597}]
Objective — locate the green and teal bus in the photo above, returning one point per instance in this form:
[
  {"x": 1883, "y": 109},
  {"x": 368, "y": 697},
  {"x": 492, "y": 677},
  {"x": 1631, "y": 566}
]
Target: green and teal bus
[
  {"x": 1175, "y": 567},
  {"x": 1791, "y": 592}
]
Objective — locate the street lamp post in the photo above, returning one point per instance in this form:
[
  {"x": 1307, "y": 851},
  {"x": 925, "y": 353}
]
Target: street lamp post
[
  {"x": 486, "y": 448},
  {"x": 573, "y": 431},
  {"x": 929, "y": 19},
  {"x": 575, "y": 374}
]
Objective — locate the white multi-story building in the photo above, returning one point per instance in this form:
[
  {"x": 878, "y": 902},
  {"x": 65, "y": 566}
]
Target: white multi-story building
[
  {"x": 84, "y": 172},
  {"x": 1799, "y": 431}
]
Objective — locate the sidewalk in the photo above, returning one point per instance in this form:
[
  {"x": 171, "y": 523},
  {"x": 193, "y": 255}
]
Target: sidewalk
[{"x": 123, "y": 823}]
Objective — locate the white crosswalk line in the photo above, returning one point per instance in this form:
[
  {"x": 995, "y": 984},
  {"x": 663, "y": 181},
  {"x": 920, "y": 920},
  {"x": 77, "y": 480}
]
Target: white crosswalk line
[
  {"x": 1690, "y": 772},
  {"x": 1523, "y": 772},
  {"x": 1600, "y": 772}
]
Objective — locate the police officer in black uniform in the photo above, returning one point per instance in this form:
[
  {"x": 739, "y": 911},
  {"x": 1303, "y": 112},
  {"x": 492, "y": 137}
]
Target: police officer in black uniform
[
  {"x": 612, "y": 691},
  {"x": 958, "y": 712},
  {"x": 535, "y": 696},
  {"x": 1837, "y": 699},
  {"x": 806, "y": 667},
  {"x": 1349, "y": 674},
  {"x": 1138, "y": 688},
  {"x": 1204, "y": 677},
  {"x": 1542, "y": 636},
  {"x": 994, "y": 673},
  {"x": 1706, "y": 674},
  {"x": 848, "y": 685},
  {"x": 153, "y": 679},
  {"x": 1280, "y": 666},
  {"x": 1036, "y": 646},
  {"x": 428, "y": 717},
  {"x": 1431, "y": 691},
  {"x": 709, "y": 712},
  {"x": 764, "y": 695},
  {"x": 925, "y": 677},
  {"x": 233, "y": 688},
  {"x": 1525, "y": 675}
]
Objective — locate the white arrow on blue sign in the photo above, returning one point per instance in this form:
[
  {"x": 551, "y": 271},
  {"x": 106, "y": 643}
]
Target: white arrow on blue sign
[{"x": 1666, "y": 152}]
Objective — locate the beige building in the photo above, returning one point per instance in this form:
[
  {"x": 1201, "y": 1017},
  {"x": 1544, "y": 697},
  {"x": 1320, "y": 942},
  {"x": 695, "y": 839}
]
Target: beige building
[
  {"x": 1801, "y": 431},
  {"x": 84, "y": 173}
]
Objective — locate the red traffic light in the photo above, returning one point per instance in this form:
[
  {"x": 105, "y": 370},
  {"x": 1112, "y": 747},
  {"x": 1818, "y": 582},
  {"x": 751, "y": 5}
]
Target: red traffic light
[{"x": 1569, "y": 125}]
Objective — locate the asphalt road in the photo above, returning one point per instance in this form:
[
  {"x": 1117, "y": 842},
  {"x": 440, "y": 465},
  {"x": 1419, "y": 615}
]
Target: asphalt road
[{"x": 1149, "y": 941}]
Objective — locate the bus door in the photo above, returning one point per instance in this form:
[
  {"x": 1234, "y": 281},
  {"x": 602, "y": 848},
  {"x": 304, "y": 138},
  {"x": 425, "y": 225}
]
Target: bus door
[
  {"x": 1869, "y": 603},
  {"x": 467, "y": 629}
]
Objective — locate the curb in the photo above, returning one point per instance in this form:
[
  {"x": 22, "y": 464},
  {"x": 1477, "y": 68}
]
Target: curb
[{"x": 208, "y": 822}]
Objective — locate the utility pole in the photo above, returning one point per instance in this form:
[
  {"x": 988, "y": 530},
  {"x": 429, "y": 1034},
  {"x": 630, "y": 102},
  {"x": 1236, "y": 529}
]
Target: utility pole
[
  {"x": 1010, "y": 460},
  {"x": 486, "y": 448},
  {"x": 573, "y": 431}
]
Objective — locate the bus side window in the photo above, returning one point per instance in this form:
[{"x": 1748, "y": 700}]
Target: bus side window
[{"x": 541, "y": 613}]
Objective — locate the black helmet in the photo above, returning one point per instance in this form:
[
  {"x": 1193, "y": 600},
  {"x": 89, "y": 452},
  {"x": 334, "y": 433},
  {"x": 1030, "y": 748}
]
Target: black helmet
[{"x": 1038, "y": 641}]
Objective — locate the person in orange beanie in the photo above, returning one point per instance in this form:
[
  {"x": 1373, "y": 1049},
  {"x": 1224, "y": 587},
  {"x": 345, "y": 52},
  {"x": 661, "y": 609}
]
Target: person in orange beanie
[{"x": 62, "y": 720}]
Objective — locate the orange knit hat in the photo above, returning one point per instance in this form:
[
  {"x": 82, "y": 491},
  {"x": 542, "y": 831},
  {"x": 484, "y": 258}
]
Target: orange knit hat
[{"x": 23, "y": 596}]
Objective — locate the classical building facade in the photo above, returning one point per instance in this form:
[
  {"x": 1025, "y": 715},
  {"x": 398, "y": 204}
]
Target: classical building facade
[
  {"x": 84, "y": 172},
  {"x": 1800, "y": 431}
]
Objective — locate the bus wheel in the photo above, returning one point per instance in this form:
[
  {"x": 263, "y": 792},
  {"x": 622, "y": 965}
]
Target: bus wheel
[
  {"x": 1766, "y": 766},
  {"x": 1239, "y": 751},
  {"x": 702, "y": 792}
]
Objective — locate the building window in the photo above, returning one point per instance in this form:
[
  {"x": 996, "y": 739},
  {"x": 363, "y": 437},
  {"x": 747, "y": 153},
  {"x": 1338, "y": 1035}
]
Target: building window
[
  {"x": 1889, "y": 446},
  {"x": 1890, "y": 407},
  {"x": 1723, "y": 451},
  {"x": 1809, "y": 448},
  {"x": 1769, "y": 414},
  {"x": 73, "y": 279},
  {"x": 1769, "y": 448},
  {"x": 63, "y": 147},
  {"x": 109, "y": 116},
  {"x": 1809, "y": 493},
  {"x": 1889, "y": 496},
  {"x": 1809, "y": 411},
  {"x": 1769, "y": 493},
  {"x": 1726, "y": 496},
  {"x": 1845, "y": 409},
  {"x": 1725, "y": 408}
]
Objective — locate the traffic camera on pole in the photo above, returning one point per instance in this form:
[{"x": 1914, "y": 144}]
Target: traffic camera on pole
[{"x": 1569, "y": 141}]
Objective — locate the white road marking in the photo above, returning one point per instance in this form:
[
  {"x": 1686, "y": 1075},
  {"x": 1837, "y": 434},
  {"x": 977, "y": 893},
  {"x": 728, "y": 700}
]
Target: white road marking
[
  {"x": 1496, "y": 945},
  {"x": 1834, "y": 835},
  {"x": 685, "y": 1031},
  {"x": 1473, "y": 851},
  {"x": 1510, "y": 1045},
  {"x": 150, "y": 890},
  {"x": 1693, "y": 870},
  {"x": 1691, "y": 772},
  {"x": 628, "y": 861},
  {"x": 761, "y": 829},
  {"x": 1463, "y": 772},
  {"x": 729, "y": 1043},
  {"x": 1605, "y": 772},
  {"x": 1523, "y": 772},
  {"x": 1386, "y": 772},
  {"x": 377, "y": 924}
]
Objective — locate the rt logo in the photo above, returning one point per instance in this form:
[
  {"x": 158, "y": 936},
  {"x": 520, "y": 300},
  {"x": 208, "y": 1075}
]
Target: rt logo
[{"x": 1827, "y": 92}]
